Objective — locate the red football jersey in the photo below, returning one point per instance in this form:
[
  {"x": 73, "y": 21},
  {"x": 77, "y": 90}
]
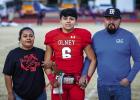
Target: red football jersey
[{"x": 68, "y": 48}]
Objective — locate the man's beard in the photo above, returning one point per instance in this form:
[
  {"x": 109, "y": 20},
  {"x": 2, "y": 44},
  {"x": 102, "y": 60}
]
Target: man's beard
[{"x": 111, "y": 28}]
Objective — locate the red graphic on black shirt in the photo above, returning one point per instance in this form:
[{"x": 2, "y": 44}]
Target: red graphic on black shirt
[{"x": 29, "y": 62}]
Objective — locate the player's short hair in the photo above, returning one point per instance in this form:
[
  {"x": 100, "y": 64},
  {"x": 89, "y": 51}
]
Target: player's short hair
[
  {"x": 21, "y": 31},
  {"x": 69, "y": 12}
]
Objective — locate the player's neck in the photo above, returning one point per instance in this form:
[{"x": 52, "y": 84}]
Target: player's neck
[{"x": 67, "y": 30}]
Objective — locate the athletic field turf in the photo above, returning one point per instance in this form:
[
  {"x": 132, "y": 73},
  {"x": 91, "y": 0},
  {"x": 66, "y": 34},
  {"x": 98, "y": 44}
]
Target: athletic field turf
[{"x": 9, "y": 40}]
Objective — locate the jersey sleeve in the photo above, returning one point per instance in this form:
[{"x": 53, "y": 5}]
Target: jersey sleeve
[
  {"x": 48, "y": 38},
  {"x": 86, "y": 38},
  {"x": 9, "y": 65}
]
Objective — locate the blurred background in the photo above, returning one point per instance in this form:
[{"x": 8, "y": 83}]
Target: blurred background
[{"x": 14, "y": 12}]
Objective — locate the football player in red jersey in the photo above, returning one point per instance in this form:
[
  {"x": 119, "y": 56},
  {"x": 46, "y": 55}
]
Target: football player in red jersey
[{"x": 67, "y": 44}]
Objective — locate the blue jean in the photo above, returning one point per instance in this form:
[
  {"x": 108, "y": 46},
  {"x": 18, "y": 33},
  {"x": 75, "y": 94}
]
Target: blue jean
[
  {"x": 114, "y": 92},
  {"x": 43, "y": 96}
]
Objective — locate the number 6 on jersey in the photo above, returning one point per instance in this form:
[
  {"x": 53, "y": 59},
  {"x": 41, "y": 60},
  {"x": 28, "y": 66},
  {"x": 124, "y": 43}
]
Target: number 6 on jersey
[{"x": 66, "y": 52}]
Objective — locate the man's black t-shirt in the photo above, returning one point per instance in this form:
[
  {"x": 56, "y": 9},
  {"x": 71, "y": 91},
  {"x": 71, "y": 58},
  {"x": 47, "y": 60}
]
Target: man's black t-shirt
[{"x": 27, "y": 73}]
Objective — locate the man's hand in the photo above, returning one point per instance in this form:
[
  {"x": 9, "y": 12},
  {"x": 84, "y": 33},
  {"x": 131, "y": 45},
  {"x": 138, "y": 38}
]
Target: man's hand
[
  {"x": 124, "y": 82},
  {"x": 83, "y": 81},
  {"x": 55, "y": 84}
]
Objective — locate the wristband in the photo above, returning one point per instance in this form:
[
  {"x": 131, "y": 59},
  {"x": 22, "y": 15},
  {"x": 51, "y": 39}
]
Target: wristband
[
  {"x": 51, "y": 77},
  {"x": 88, "y": 78},
  {"x": 52, "y": 58}
]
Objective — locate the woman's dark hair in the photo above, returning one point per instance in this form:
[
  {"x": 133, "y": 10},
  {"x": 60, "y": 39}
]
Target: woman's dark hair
[{"x": 21, "y": 31}]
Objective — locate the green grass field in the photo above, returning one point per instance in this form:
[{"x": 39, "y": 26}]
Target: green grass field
[{"x": 9, "y": 40}]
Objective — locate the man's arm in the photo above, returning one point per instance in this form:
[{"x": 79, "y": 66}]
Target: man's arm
[
  {"x": 92, "y": 58},
  {"x": 8, "y": 83},
  {"x": 87, "y": 62},
  {"x": 89, "y": 66},
  {"x": 85, "y": 67},
  {"x": 135, "y": 53}
]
